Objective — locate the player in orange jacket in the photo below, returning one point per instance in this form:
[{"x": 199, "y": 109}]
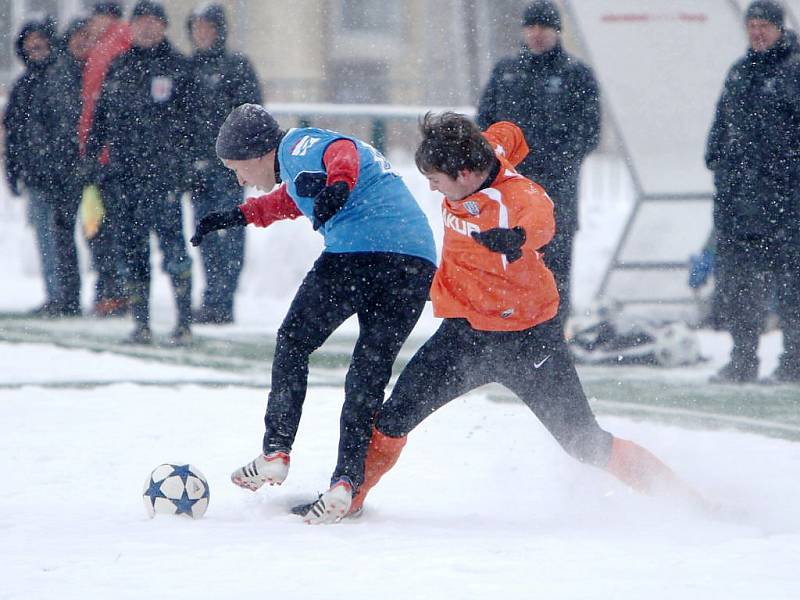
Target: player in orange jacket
[{"x": 499, "y": 303}]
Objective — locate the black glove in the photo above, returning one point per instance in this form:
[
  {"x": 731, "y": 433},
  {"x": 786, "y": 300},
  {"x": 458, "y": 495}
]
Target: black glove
[
  {"x": 329, "y": 201},
  {"x": 218, "y": 220},
  {"x": 502, "y": 240}
]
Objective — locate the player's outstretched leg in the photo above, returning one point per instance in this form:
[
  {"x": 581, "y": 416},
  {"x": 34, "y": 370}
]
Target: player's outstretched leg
[
  {"x": 644, "y": 472},
  {"x": 382, "y": 453},
  {"x": 333, "y": 505},
  {"x": 269, "y": 468}
]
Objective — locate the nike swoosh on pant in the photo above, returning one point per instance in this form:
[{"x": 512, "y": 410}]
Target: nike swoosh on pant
[{"x": 536, "y": 365}]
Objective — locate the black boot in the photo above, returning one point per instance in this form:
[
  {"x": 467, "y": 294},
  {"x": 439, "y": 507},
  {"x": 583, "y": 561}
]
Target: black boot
[
  {"x": 742, "y": 368},
  {"x": 182, "y": 290},
  {"x": 139, "y": 294}
]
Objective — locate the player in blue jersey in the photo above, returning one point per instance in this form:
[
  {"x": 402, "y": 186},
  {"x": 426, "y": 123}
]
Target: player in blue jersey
[{"x": 378, "y": 263}]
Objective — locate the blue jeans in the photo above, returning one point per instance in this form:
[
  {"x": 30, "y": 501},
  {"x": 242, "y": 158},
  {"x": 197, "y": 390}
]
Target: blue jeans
[
  {"x": 63, "y": 211},
  {"x": 146, "y": 207},
  {"x": 40, "y": 217},
  {"x": 222, "y": 252}
]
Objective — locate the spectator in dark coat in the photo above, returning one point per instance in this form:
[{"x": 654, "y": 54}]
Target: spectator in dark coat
[
  {"x": 223, "y": 81},
  {"x": 554, "y": 99},
  {"x": 754, "y": 151},
  {"x": 144, "y": 117},
  {"x": 25, "y": 166},
  {"x": 112, "y": 37},
  {"x": 56, "y": 110}
]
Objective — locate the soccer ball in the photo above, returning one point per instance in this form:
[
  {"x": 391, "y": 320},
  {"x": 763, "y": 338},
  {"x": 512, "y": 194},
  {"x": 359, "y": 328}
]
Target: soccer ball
[
  {"x": 676, "y": 345},
  {"x": 176, "y": 490}
]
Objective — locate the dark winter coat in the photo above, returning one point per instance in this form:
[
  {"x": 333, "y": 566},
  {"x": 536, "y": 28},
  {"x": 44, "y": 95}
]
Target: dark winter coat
[
  {"x": 754, "y": 146},
  {"x": 144, "y": 115},
  {"x": 223, "y": 81},
  {"x": 24, "y": 156},
  {"x": 56, "y": 112},
  {"x": 554, "y": 98}
]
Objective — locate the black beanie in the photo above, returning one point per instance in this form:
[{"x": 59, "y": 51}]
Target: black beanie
[
  {"x": 108, "y": 8},
  {"x": 145, "y": 8},
  {"x": 542, "y": 12},
  {"x": 248, "y": 132},
  {"x": 768, "y": 10}
]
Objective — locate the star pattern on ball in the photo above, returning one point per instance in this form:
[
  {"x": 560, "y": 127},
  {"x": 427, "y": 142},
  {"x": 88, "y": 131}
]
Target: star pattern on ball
[
  {"x": 183, "y": 506},
  {"x": 182, "y": 471},
  {"x": 154, "y": 491}
]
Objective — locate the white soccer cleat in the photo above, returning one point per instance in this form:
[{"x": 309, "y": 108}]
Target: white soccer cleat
[
  {"x": 269, "y": 468},
  {"x": 331, "y": 506}
]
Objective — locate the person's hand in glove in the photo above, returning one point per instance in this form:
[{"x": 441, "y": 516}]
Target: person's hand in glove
[
  {"x": 502, "y": 240},
  {"x": 329, "y": 201},
  {"x": 700, "y": 268},
  {"x": 218, "y": 220}
]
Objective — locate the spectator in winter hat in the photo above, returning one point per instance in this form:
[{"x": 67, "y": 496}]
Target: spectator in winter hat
[
  {"x": 56, "y": 111},
  {"x": 554, "y": 98},
  {"x": 223, "y": 80},
  {"x": 111, "y": 36},
  {"x": 145, "y": 117},
  {"x": 26, "y": 170},
  {"x": 377, "y": 264},
  {"x": 752, "y": 150}
]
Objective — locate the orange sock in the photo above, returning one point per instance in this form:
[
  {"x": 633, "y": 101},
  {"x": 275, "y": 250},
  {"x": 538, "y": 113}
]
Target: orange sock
[
  {"x": 645, "y": 473},
  {"x": 382, "y": 454}
]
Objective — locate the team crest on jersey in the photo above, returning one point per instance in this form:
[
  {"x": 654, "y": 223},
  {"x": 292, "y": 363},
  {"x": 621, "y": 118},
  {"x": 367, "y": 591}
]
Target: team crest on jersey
[
  {"x": 161, "y": 88},
  {"x": 303, "y": 145},
  {"x": 472, "y": 208}
]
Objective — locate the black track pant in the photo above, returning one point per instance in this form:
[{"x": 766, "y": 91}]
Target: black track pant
[
  {"x": 558, "y": 258},
  {"x": 748, "y": 273},
  {"x": 535, "y": 364},
  {"x": 387, "y": 293}
]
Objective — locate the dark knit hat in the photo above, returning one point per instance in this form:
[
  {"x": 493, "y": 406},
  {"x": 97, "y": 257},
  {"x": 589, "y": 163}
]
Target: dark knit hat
[
  {"x": 113, "y": 9},
  {"x": 542, "y": 12},
  {"x": 248, "y": 132},
  {"x": 75, "y": 26},
  {"x": 767, "y": 10},
  {"x": 146, "y": 8}
]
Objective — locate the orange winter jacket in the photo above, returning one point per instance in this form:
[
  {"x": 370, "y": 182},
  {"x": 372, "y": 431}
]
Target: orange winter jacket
[
  {"x": 116, "y": 40},
  {"x": 479, "y": 285}
]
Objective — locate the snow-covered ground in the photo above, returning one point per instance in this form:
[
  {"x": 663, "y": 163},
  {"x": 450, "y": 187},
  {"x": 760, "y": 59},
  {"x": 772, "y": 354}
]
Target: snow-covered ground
[{"x": 483, "y": 503}]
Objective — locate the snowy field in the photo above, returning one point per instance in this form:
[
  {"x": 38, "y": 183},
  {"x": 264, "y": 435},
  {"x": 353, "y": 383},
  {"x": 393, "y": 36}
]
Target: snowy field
[{"x": 483, "y": 504}]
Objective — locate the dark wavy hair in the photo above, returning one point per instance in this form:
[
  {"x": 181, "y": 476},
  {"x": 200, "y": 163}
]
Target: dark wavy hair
[{"x": 452, "y": 143}]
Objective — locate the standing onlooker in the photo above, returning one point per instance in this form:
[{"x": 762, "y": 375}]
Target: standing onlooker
[
  {"x": 753, "y": 151},
  {"x": 223, "y": 81},
  {"x": 554, "y": 98},
  {"x": 24, "y": 165},
  {"x": 111, "y": 37},
  {"x": 143, "y": 116},
  {"x": 55, "y": 111}
]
